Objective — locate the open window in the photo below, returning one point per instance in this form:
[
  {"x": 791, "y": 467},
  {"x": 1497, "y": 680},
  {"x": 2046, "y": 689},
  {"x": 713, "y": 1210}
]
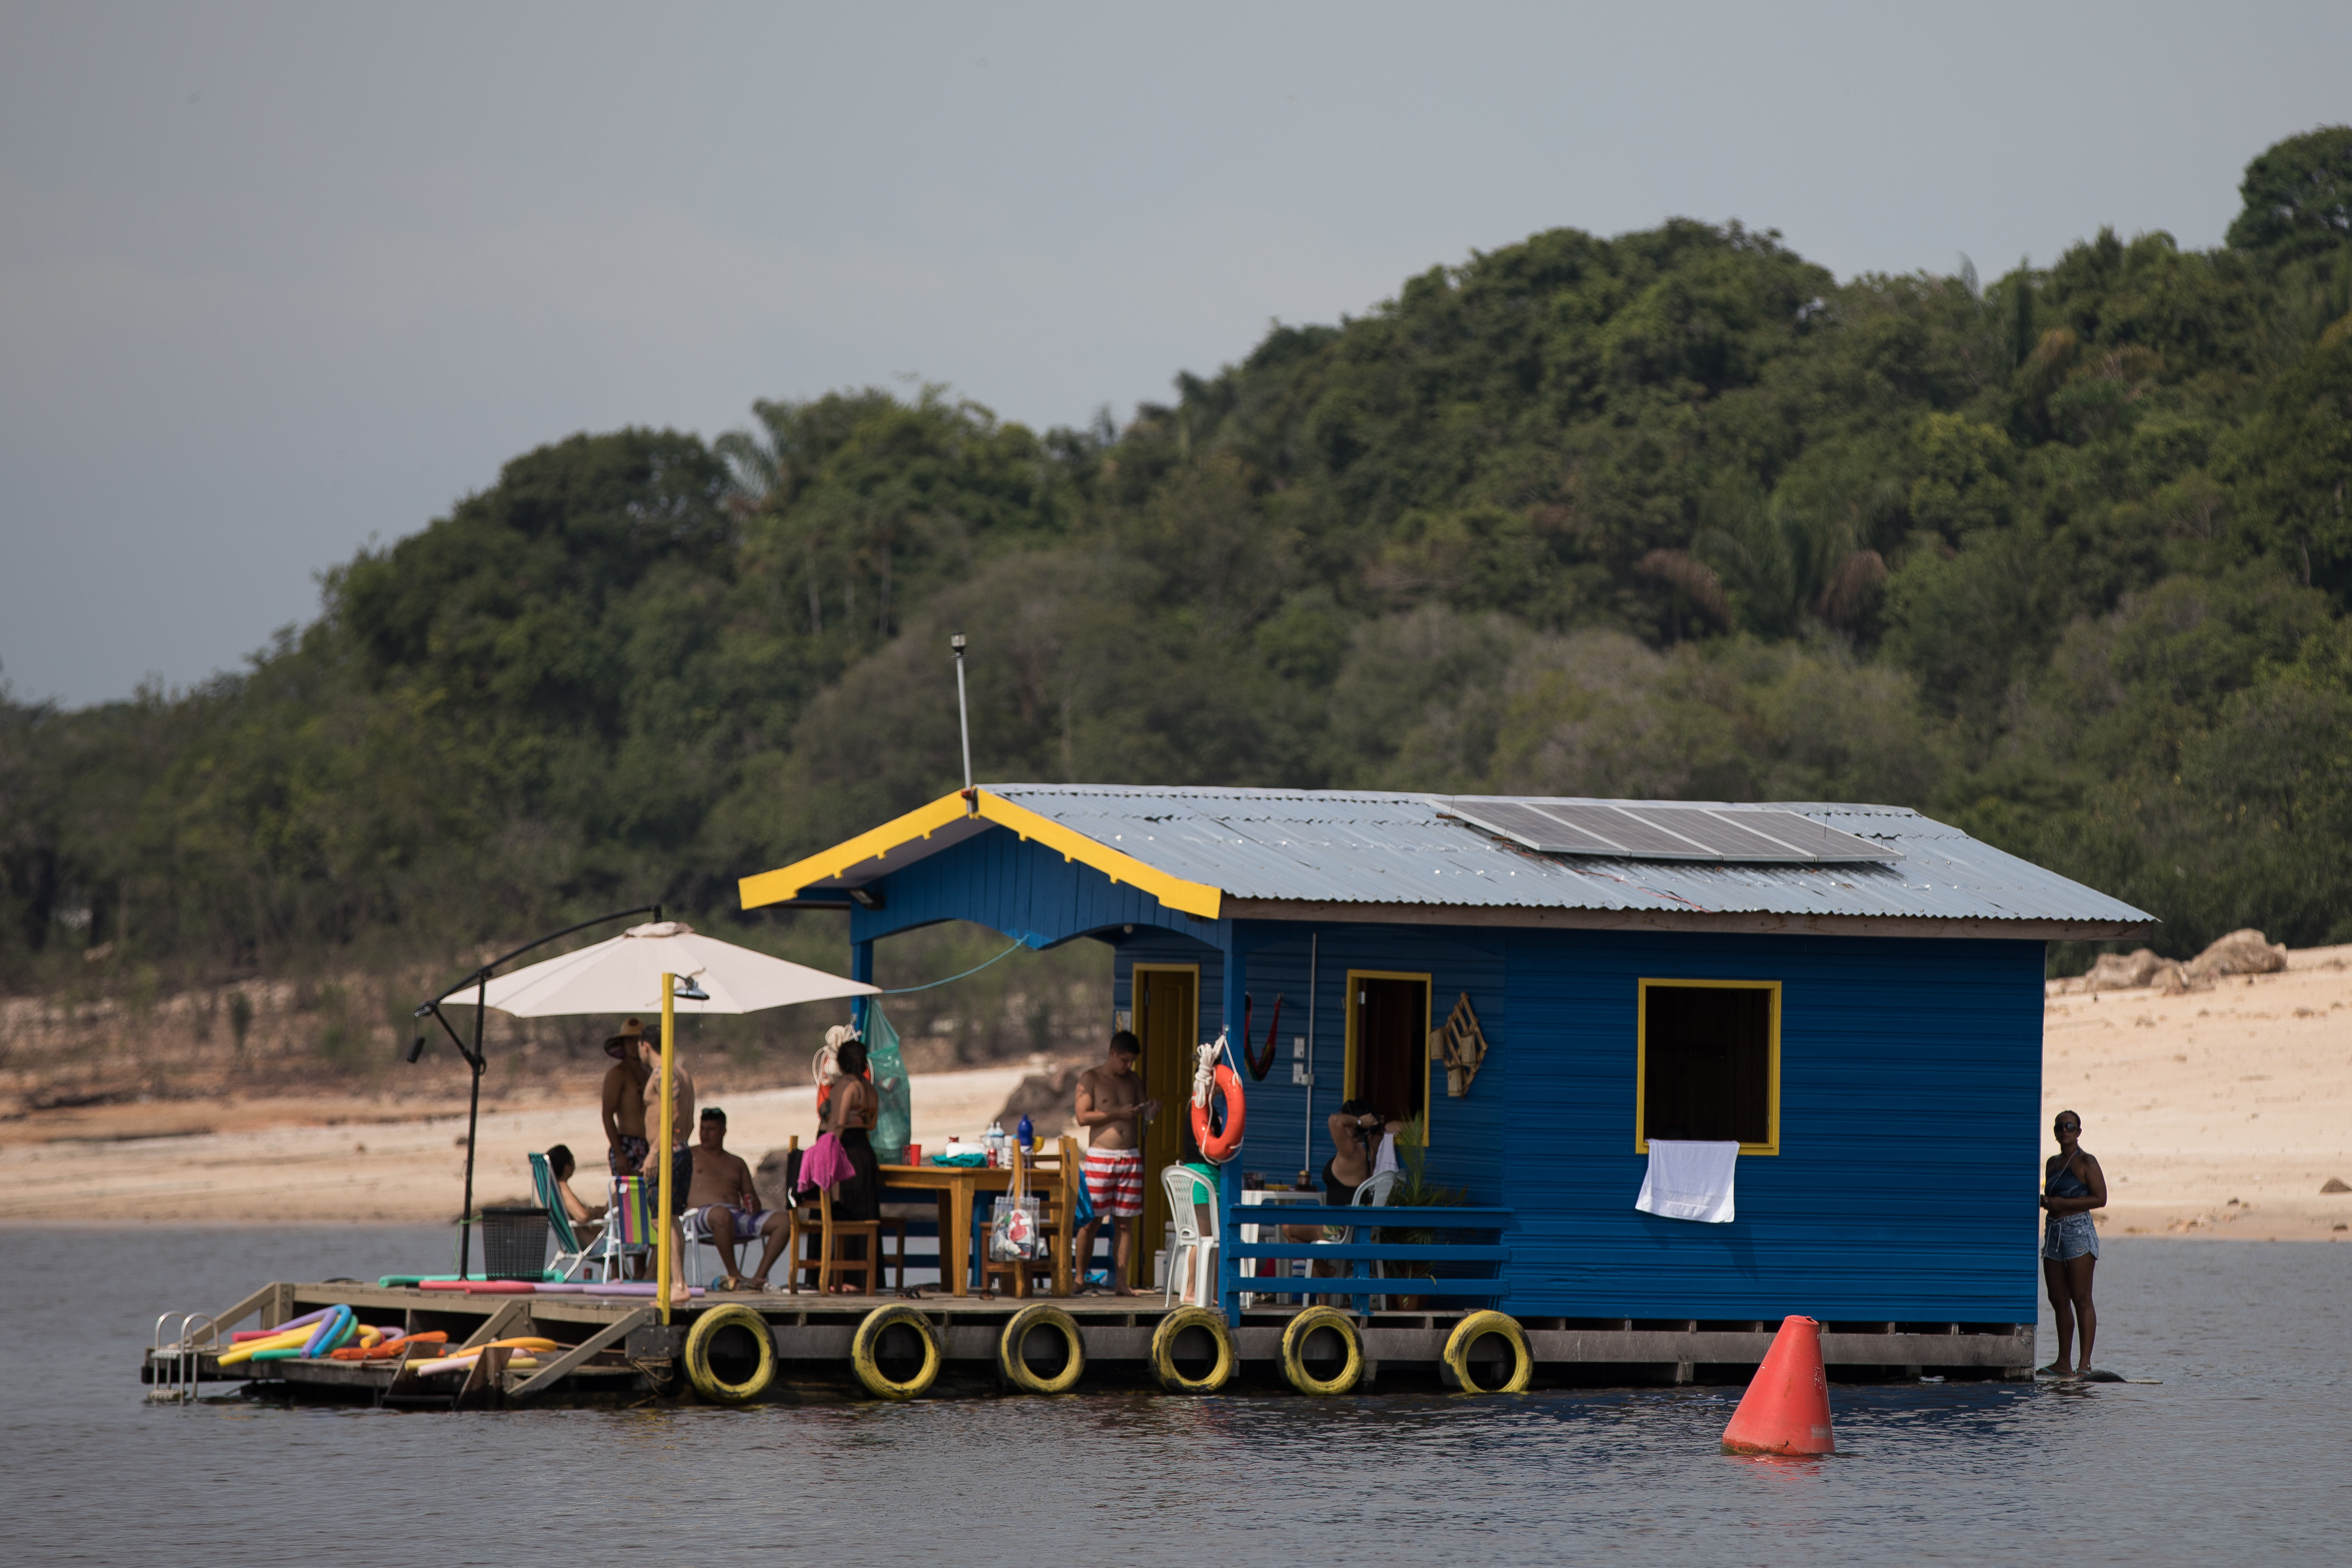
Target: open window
[
  {"x": 1708, "y": 1064},
  {"x": 1388, "y": 1041}
]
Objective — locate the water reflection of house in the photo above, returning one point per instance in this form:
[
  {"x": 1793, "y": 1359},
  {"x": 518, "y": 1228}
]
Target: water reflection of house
[{"x": 1852, "y": 992}]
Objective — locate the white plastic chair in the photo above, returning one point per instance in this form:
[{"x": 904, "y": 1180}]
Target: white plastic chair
[
  {"x": 695, "y": 1236},
  {"x": 1183, "y": 1186},
  {"x": 1373, "y": 1194}
]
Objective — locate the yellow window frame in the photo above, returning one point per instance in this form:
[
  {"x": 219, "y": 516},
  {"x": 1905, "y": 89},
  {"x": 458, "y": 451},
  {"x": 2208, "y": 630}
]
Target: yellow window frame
[
  {"x": 1771, "y": 1146},
  {"x": 1350, "y": 1075}
]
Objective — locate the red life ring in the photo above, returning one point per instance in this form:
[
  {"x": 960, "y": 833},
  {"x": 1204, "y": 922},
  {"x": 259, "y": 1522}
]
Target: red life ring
[{"x": 1219, "y": 1147}]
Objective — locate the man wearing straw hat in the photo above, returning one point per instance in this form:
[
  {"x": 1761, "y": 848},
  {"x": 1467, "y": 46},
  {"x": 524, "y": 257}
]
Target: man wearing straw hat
[{"x": 625, "y": 1100}]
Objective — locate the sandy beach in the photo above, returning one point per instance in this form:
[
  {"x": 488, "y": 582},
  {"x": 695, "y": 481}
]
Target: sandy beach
[
  {"x": 2217, "y": 1112},
  {"x": 2214, "y": 1112}
]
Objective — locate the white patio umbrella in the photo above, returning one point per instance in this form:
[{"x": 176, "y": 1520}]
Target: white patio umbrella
[
  {"x": 635, "y": 972},
  {"x": 624, "y": 975}
]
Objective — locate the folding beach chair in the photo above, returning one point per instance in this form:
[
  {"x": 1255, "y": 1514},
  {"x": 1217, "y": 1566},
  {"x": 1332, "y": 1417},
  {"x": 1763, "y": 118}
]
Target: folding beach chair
[
  {"x": 571, "y": 1256},
  {"x": 628, "y": 1225}
]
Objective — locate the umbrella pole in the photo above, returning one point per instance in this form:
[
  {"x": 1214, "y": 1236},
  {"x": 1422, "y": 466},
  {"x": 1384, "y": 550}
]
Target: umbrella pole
[
  {"x": 669, "y": 1031},
  {"x": 473, "y": 1127}
]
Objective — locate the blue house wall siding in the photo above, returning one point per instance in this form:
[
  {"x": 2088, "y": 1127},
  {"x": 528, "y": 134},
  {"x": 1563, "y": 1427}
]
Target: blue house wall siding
[{"x": 1910, "y": 1099}]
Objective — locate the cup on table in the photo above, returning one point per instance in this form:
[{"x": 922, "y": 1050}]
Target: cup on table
[{"x": 914, "y": 1153}]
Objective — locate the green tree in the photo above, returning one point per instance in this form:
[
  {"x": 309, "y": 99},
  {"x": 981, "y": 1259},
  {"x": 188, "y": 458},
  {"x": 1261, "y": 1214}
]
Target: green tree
[{"x": 2298, "y": 196}]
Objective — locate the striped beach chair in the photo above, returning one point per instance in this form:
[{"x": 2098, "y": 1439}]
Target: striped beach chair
[{"x": 628, "y": 1225}]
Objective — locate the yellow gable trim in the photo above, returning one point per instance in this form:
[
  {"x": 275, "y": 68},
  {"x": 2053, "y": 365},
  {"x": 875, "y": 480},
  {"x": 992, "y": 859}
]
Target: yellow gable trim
[
  {"x": 1192, "y": 897},
  {"x": 776, "y": 886}
]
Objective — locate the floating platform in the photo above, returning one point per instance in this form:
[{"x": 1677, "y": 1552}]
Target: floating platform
[{"x": 616, "y": 1349}]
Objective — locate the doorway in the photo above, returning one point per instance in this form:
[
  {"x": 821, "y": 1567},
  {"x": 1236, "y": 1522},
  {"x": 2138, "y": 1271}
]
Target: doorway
[
  {"x": 1388, "y": 1042},
  {"x": 1168, "y": 1023}
]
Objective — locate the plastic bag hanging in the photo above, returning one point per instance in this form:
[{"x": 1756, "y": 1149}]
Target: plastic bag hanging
[{"x": 894, "y": 1116}]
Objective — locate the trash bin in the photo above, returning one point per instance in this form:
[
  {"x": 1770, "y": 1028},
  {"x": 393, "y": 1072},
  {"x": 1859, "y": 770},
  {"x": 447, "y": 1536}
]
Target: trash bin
[{"x": 514, "y": 1242}]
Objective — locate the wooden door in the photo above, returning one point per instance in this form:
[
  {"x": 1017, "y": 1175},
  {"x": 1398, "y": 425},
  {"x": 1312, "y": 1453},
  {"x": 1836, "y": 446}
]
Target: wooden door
[
  {"x": 1388, "y": 1057},
  {"x": 1168, "y": 1023}
]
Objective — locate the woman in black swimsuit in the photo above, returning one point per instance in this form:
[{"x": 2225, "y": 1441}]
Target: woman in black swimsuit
[
  {"x": 852, "y": 1110},
  {"x": 1356, "y": 1129}
]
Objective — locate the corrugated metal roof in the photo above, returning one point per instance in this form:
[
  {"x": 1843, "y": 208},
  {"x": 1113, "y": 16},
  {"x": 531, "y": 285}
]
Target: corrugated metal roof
[{"x": 1370, "y": 847}]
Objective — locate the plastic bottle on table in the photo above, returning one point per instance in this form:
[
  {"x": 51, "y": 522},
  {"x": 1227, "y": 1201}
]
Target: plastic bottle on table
[{"x": 1027, "y": 1134}]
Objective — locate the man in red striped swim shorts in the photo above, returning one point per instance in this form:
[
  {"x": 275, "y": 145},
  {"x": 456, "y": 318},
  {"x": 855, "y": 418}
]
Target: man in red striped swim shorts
[{"x": 1112, "y": 1109}]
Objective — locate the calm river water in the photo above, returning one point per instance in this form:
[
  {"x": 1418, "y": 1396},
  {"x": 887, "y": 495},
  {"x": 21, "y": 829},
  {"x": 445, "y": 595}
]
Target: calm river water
[{"x": 2242, "y": 1453}]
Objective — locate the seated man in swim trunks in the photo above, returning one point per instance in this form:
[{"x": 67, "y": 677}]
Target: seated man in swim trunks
[
  {"x": 1111, "y": 1108},
  {"x": 730, "y": 1206}
]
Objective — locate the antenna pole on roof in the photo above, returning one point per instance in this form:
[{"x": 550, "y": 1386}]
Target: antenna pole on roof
[{"x": 963, "y": 723}]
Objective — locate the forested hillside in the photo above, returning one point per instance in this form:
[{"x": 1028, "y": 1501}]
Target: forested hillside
[{"x": 2062, "y": 558}]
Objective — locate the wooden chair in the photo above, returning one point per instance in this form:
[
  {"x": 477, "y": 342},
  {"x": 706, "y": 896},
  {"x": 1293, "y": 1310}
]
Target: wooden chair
[
  {"x": 815, "y": 1221},
  {"x": 817, "y": 1218},
  {"x": 1051, "y": 1175}
]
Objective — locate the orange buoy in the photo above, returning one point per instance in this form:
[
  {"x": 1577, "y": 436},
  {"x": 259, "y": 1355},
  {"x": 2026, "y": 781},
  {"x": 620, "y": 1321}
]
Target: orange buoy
[{"x": 1786, "y": 1409}]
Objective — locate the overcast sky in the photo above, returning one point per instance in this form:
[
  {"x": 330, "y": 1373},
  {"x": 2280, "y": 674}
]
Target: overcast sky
[{"x": 279, "y": 280}]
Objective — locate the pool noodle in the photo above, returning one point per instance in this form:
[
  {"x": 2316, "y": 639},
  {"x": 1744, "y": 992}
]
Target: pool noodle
[
  {"x": 480, "y": 1287},
  {"x": 293, "y": 1337},
  {"x": 307, "y": 1318},
  {"x": 326, "y": 1331}
]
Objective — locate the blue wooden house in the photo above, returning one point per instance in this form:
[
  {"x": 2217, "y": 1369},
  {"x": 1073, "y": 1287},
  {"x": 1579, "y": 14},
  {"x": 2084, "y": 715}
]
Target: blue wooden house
[{"x": 1852, "y": 992}]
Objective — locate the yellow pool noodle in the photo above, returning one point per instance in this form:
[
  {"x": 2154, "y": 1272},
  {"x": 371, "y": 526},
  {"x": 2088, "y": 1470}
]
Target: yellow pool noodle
[{"x": 276, "y": 1342}]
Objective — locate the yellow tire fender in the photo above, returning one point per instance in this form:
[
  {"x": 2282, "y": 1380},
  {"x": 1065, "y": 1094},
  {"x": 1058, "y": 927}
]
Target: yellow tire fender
[
  {"x": 1477, "y": 1326},
  {"x": 865, "y": 1342},
  {"x": 699, "y": 1341},
  {"x": 1294, "y": 1346},
  {"x": 1164, "y": 1351},
  {"x": 1016, "y": 1367}
]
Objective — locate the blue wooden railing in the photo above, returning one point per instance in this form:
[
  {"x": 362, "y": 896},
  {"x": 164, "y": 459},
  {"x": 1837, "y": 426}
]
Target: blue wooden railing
[{"x": 1357, "y": 1283}]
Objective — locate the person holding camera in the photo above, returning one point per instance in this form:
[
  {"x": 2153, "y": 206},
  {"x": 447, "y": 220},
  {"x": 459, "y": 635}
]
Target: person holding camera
[{"x": 1364, "y": 1145}]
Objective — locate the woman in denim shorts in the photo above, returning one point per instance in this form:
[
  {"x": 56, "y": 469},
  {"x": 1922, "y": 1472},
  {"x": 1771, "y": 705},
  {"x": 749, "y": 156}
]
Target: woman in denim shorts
[{"x": 2073, "y": 1186}]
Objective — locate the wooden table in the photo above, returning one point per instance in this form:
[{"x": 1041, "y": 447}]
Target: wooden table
[{"x": 957, "y": 1188}]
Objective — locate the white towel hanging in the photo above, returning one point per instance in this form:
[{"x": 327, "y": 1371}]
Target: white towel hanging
[{"x": 1689, "y": 1181}]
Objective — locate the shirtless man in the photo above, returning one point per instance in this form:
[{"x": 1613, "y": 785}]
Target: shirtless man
[
  {"x": 682, "y": 1121},
  {"x": 730, "y": 1208},
  {"x": 1111, "y": 1108},
  {"x": 681, "y": 1141},
  {"x": 625, "y": 1100}
]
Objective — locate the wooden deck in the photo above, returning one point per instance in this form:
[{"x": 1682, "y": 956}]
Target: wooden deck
[{"x": 611, "y": 1342}]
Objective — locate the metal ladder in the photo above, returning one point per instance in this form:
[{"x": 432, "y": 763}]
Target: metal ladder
[{"x": 183, "y": 1356}]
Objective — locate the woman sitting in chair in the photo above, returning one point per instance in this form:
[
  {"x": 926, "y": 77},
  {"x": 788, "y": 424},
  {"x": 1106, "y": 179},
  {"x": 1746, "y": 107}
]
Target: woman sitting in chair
[
  {"x": 849, "y": 1115},
  {"x": 586, "y": 1220},
  {"x": 1362, "y": 1145}
]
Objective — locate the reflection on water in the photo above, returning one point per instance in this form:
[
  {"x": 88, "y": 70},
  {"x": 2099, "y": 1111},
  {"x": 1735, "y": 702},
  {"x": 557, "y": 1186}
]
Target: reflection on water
[{"x": 2238, "y": 1455}]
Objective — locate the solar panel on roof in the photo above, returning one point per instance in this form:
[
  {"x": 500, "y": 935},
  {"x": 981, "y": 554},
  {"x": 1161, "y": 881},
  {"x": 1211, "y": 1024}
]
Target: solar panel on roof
[
  {"x": 1738, "y": 835},
  {"x": 1823, "y": 843},
  {"x": 1539, "y": 830},
  {"x": 1759, "y": 836},
  {"x": 1645, "y": 835}
]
